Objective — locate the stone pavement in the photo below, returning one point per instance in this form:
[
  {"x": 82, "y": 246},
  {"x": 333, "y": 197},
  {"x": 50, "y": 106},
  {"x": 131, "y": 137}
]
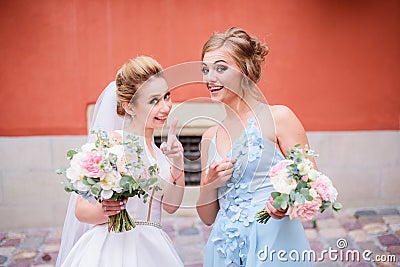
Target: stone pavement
[{"x": 350, "y": 233}]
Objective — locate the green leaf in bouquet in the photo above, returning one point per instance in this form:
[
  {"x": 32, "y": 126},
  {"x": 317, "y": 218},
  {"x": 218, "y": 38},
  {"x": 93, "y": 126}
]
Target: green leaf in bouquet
[
  {"x": 275, "y": 194},
  {"x": 61, "y": 170},
  {"x": 69, "y": 188},
  {"x": 85, "y": 181},
  {"x": 153, "y": 180},
  {"x": 292, "y": 194},
  {"x": 292, "y": 166},
  {"x": 71, "y": 153},
  {"x": 285, "y": 197},
  {"x": 297, "y": 145},
  {"x": 113, "y": 158},
  {"x": 300, "y": 198},
  {"x": 125, "y": 182},
  {"x": 301, "y": 185},
  {"x": 153, "y": 170},
  {"x": 95, "y": 191},
  {"x": 91, "y": 181},
  {"x": 157, "y": 188},
  {"x": 277, "y": 203},
  {"x": 337, "y": 206},
  {"x": 324, "y": 206},
  {"x": 305, "y": 192},
  {"x": 145, "y": 184},
  {"x": 280, "y": 202}
]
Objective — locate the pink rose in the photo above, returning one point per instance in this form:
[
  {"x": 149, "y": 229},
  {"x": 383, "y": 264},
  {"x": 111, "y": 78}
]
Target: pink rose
[
  {"x": 280, "y": 167},
  {"x": 304, "y": 178},
  {"x": 321, "y": 187},
  {"x": 91, "y": 165},
  {"x": 306, "y": 211}
]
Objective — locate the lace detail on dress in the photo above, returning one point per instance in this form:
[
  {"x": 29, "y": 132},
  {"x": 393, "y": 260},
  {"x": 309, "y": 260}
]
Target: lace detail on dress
[{"x": 231, "y": 239}]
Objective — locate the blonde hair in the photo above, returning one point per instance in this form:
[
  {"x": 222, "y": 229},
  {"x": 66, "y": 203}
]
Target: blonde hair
[
  {"x": 247, "y": 51},
  {"x": 131, "y": 76}
]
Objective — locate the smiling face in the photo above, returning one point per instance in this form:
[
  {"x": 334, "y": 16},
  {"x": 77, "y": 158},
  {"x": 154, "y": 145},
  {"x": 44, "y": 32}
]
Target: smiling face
[
  {"x": 152, "y": 104},
  {"x": 222, "y": 76}
]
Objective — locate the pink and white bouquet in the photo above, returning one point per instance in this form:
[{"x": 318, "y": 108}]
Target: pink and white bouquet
[
  {"x": 299, "y": 188},
  {"x": 111, "y": 168}
]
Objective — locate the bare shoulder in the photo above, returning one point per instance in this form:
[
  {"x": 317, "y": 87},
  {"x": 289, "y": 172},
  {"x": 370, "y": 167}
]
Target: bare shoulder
[
  {"x": 279, "y": 111},
  {"x": 282, "y": 113},
  {"x": 285, "y": 120}
]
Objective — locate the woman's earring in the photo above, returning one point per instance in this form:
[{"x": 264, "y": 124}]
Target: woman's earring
[{"x": 130, "y": 114}]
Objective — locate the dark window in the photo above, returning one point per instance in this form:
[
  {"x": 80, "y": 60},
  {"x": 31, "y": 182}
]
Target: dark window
[{"x": 191, "y": 146}]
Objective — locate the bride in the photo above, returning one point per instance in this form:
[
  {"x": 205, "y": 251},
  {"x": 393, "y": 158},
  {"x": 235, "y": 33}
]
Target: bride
[{"x": 142, "y": 95}]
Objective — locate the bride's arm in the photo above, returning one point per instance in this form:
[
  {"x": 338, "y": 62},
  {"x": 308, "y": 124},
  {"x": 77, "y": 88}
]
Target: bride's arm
[
  {"x": 173, "y": 193},
  {"x": 93, "y": 212},
  {"x": 174, "y": 189}
]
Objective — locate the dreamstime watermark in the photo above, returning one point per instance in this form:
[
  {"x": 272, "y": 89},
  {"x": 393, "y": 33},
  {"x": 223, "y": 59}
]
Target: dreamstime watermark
[{"x": 341, "y": 253}]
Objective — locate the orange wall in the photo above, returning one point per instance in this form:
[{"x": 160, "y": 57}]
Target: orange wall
[{"x": 334, "y": 62}]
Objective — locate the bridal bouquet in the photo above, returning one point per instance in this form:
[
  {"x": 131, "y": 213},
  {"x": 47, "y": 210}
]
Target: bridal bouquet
[
  {"x": 300, "y": 188},
  {"x": 111, "y": 168}
]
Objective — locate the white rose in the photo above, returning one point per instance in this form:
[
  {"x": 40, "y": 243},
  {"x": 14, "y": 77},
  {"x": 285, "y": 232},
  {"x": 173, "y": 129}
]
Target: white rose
[
  {"x": 305, "y": 167},
  {"x": 117, "y": 150},
  {"x": 110, "y": 181},
  {"x": 106, "y": 194},
  {"x": 313, "y": 174},
  {"x": 81, "y": 186},
  {"x": 313, "y": 193},
  {"x": 283, "y": 184},
  {"x": 74, "y": 172}
]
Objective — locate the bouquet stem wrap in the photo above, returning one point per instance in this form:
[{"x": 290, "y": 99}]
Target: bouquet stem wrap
[{"x": 120, "y": 222}]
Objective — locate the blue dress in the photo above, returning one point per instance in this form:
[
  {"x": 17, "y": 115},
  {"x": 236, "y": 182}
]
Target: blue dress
[{"x": 237, "y": 239}]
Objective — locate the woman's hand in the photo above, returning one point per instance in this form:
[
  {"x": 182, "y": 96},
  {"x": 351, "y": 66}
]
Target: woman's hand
[
  {"x": 173, "y": 149},
  {"x": 113, "y": 207},
  {"x": 219, "y": 173},
  {"x": 275, "y": 213}
]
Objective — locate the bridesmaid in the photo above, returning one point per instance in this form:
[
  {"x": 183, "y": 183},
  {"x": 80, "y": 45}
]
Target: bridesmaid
[{"x": 237, "y": 156}]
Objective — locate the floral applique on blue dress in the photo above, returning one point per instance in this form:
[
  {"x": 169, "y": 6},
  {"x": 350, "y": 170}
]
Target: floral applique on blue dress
[{"x": 236, "y": 238}]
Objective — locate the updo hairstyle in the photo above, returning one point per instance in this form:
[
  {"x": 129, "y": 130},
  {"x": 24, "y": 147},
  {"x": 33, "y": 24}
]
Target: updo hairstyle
[
  {"x": 247, "y": 51},
  {"x": 131, "y": 76}
]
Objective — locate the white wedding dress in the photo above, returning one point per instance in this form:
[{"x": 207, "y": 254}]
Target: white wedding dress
[{"x": 147, "y": 245}]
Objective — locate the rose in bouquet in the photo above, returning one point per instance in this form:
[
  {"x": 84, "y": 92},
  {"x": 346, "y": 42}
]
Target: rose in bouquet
[
  {"x": 299, "y": 188},
  {"x": 111, "y": 168}
]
